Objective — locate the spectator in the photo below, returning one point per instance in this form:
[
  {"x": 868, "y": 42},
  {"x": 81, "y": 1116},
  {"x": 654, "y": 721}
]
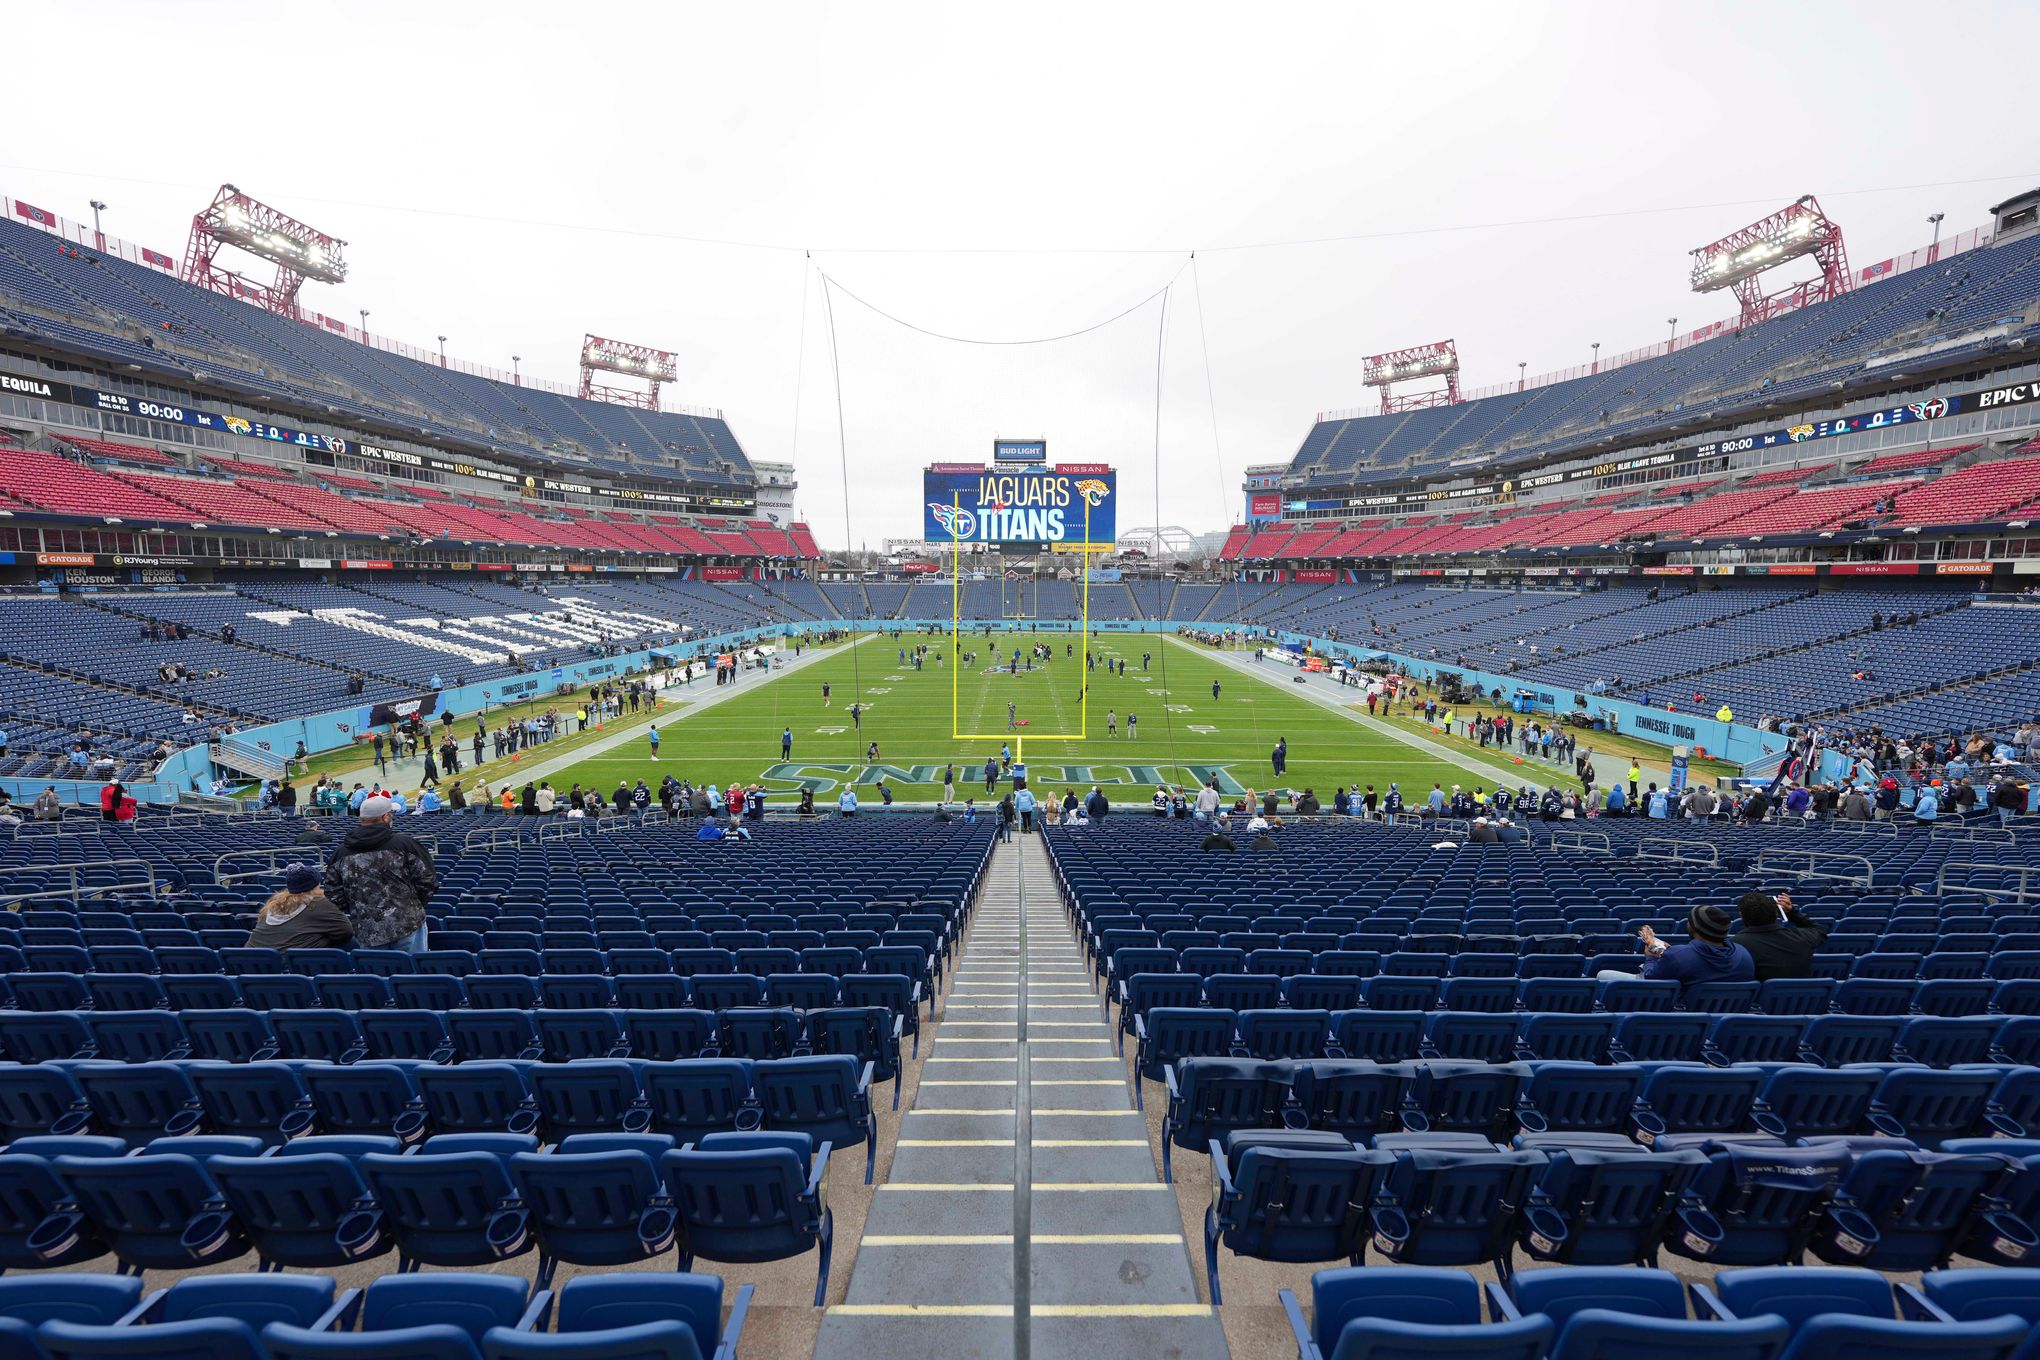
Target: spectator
[
  {"x": 1887, "y": 798},
  {"x": 1261, "y": 829},
  {"x": 1095, "y": 807},
  {"x": 109, "y": 800},
  {"x": 545, "y": 800},
  {"x": 313, "y": 834},
  {"x": 1008, "y": 815},
  {"x": 48, "y": 807},
  {"x": 846, "y": 802},
  {"x": 1781, "y": 939},
  {"x": 2009, "y": 798},
  {"x": 1706, "y": 957},
  {"x": 1307, "y": 804},
  {"x": 1216, "y": 839},
  {"x": 300, "y": 916},
  {"x": 1023, "y": 801},
  {"x": 382, "y": 878},
  {"x": 1927, "y": 807},
  {"x": 1855, "y": 805},
  {"x": 1483, "y": 832}
]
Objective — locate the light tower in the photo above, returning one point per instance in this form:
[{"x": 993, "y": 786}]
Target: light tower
[
  {"x": 654, "y": 366},
  {"x": 1439, "y": 359},
  {"x": 299, "y": 252},
  {"x": 1738, "y": 260}
]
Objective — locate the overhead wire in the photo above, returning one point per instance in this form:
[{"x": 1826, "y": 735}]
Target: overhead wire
[{"x": 1278, "y": 243}]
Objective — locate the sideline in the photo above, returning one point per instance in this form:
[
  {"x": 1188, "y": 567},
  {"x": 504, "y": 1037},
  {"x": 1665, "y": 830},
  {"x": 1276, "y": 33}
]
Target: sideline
[
  {"x": 1319, "y": 689},
  {"x": 546, "y": 769}
]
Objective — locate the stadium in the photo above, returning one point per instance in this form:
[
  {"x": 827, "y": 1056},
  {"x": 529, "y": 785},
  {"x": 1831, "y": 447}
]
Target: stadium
[{"x": 502, "y": 867}]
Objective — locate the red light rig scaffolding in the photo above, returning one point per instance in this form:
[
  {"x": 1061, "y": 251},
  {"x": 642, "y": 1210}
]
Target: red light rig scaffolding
[
  {"x": 654, "y": 366},
  {"x": 1440, "y": 358},
  {"x": 1738, "y": 260},
  {"x": 299, "y": 252}
]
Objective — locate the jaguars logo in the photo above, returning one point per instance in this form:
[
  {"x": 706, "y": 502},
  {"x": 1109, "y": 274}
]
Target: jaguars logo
[
  {"x": 1093, "y": 491},
  {"x": 957, "y": 523},
  {"x": 239, "y": 426},
  {"x": 1799, "y": 432}
]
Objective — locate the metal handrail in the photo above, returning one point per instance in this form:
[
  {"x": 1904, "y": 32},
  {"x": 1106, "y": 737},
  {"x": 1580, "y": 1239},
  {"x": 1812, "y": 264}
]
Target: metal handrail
[
  {"x": 2027, "y": 877},
  {"x": 1807, "y": 864},
  {"x": 63, "y": 826},
  {"x": 274, "y": 858},
  {"x": 489, "y": 837},
  {"x": 1673, "y": 850},
  {"x": 79, "y": 890}
]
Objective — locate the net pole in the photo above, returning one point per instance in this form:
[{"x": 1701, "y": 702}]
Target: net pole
[
  {"x": 1084, "y": 628},
  {"x": 955, "y": 616}
]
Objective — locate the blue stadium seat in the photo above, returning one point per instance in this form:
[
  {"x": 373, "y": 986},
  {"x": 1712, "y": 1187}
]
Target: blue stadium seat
[
  {"x": 1411, "y": 1311},
  {"x": 1211, "y": 1097},
  {"x": 630, "y": 1317},
  {"x": 441, "y": 1316},
  {"x": 447, "y": 1208},
  {"x": 745, "y": 1197},
  {"x": 216, "y": 1317},
  {"x": 1288, "y": 1195},
  {"x": 1757, "y": 1205},
  {"x": 1439, "y": 1207},
  {"x": 1593, "y": 1206},
  {"x": 307, "y": 1207}
]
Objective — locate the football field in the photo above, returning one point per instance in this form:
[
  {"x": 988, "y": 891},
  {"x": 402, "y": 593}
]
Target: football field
[{"x": 1074, "y": 725}]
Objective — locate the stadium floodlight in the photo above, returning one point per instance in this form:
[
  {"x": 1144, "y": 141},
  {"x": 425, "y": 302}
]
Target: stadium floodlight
[
  {"x": 1438, "y": 359},
  {"x": 653, "y": 366},
  {"x": 299, "y": 252},
  {"x": 1738, "y": 260}
]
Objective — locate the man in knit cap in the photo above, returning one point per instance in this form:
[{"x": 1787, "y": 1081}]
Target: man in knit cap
[{"x": 1706, "y": 956}]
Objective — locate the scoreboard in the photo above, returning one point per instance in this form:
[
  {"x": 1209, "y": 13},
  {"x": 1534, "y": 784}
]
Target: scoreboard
[{"x": 1048, "y": 507}]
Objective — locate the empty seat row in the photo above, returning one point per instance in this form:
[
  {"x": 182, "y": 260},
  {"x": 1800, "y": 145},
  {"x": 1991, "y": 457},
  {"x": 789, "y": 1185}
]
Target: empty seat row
[
  {"x": 1304, "y": 1196},
  {"x": 1532, "y": 1106},
  {"x": 1167, "y": 1035},
  {"x": 33, "y": 992},
  {"x": 863, "y": 952},
  {"x": 1362, "y": 956},
  {"x": 1142, "y": 992},
  {"x": 1603, "y": 1313},
  {"x": 458, "y": 1201},
  {"x": 869, "y": 1033},
  {"x": 825, "y": 1095}
]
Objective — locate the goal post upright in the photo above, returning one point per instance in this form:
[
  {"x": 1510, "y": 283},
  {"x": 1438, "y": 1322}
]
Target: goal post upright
[
  {"x": 955, "y": 618},
  {"x": 1084, "y": 551}
]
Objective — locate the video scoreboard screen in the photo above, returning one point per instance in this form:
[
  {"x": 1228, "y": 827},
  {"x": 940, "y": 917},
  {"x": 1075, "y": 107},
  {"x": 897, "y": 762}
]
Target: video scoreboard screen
[{"x": 1042, "y": 507}]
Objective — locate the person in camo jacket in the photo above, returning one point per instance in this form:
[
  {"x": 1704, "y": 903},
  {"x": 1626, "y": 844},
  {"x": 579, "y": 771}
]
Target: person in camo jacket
[{"x": 382, "y": 878}]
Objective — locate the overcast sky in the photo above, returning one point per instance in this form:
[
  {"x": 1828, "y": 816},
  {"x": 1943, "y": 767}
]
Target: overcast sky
[{"x": 1524, "y": 178}]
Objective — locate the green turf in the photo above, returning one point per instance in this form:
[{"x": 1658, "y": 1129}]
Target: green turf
[{"x": 1182, "y": 731}]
